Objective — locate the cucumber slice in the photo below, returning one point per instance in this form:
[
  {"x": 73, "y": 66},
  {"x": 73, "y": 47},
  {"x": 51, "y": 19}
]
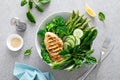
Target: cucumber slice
[
  {"x": 66, "y": 44},
  {"x": 77, "y": 41},
  {"x": 72, "y": 43},
  {"x": 78, "y": 33},
  {"x": 71, "y": 37}
]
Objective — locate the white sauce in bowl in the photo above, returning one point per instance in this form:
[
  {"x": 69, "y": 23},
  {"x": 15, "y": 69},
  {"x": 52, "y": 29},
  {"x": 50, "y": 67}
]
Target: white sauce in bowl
[{"x": 14, "y": 42}]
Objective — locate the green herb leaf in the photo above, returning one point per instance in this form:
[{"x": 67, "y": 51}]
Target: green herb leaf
[
  {"x": 23, "y": 2},
  {"x": 59, "y": 21},
  {"x": 45, "y": 56},
  {"x": 41, "y": 34},
  {"x": 30, "y": 4},
  {"x": 90, "y": 60},
  {"x": 30, "y": 17},
  {"x": 44, "y": 1},
  {"x": 28, "y": 52},
  {"x": 101, "y": 16},
  {"x": 39, "y": 8}
]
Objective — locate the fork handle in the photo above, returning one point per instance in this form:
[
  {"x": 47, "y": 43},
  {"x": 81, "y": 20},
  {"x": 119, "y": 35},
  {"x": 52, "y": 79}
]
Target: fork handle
[{"x": 87, "y": 73}]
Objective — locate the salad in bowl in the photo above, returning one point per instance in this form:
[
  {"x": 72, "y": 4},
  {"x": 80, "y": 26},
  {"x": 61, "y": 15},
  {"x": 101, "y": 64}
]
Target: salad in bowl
[{"x": 65, "y": 41}]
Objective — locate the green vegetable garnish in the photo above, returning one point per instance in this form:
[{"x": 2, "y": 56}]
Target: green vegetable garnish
[
  {"x": 45, "y": 56},
  {"x": 44, "y": 1},
  {"x": 23, "y": 2},
  {"x": 101, "y": 16},
  {"x": 39, "y": 8},
  {"x": 28, "y": 52},
  {"x": 30, "y": 17},
  {"x": 30, "y": 4}
]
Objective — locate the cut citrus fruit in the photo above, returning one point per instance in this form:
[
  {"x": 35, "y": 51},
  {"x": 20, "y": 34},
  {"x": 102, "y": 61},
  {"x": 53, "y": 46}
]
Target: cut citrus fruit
[{"x": 89, "y": 11}]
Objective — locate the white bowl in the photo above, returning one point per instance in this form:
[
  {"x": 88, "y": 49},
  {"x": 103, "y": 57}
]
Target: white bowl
[
  {"x": 66, "y": 16},
  {"x": 63, "y": 74},
  {"x": 9, "y": 43}
]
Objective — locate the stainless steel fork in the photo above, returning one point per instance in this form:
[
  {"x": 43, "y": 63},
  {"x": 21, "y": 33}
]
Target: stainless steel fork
[{"x": 106, "y": 49}]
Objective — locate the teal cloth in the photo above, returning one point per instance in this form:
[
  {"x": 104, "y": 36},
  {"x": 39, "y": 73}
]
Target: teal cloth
[{"x": 26, "y": 72}]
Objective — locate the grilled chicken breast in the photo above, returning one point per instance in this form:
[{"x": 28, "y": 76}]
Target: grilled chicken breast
[{"x": 53, "y": 45}]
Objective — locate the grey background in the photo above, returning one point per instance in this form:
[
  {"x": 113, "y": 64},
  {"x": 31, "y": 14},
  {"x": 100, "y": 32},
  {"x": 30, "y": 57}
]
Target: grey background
[{"x": 109, "y": 69}]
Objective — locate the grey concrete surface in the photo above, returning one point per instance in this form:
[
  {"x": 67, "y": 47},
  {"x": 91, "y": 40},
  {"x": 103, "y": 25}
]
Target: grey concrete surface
[{"x": 109, "y": 69}]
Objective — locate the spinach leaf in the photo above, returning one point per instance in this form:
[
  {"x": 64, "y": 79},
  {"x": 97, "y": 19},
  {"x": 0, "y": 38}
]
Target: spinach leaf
[
  {"x": 44, "y": 1},
  {"x": 28, "y": 52},
  {"x": 23, "y": 2},
  {"x": 30, "y": 17},
  {"x": 41, "y": 34},
  {"x": 101, "y": 16},
  {"x": 78, "y": 63},
  {"x": 30, "y": 4},
  {"x": 51, "y": 27},
  {"x": 65, "y": 53},
  {"x": 76, "y": 49},
  {"x": 39, "y": 8},
  {"x": 59, "y": 21},
  {"x": 90, "y": 60},
  {"x": 62, "y": 31},
  {"x": 45, "y": 56}
]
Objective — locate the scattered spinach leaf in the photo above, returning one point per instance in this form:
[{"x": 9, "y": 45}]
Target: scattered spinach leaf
[
  {"x": 44, "y": 1},
  {"x": 30, "y": 3},
  {"x": 28, "y": 52},
  {"x": 30, "y": 17},
  {"x": 23, "y": 2},
  {"x": 39, "y": 8},
  {"x": 101, "y": 16}
]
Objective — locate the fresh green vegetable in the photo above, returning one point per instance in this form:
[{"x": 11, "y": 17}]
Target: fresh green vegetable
[
  {"x": 30, "y": 17},
  {"x": 85, "y": 33},
  {"x": 77, "y": 41},
  {"x": 39, "y": 8},
  {"x": 78, "y": 33},
  {"x": 30, "y": 4},
  {"x": 41, "y": 36},
  {"x": 23, "y": 2},
  {"x": 59, "y": 21},
  {"x": 45, "y": 56},
  {"x": 63, "y": 64},
  {"x": 89, "y": 39},
  {"x": 28, "y": 52},
  {"x": 101, "y": 16},
  {"x": 71, "y": 41},
  {"x": 44, "y": 1},
  {"x": 90, "y": 60},
  {"x": 76, "y": 21},
  {"x": 57, "y": 26}
]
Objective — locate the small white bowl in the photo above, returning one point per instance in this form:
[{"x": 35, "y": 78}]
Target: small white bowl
[{"x": 9, "y": 42}]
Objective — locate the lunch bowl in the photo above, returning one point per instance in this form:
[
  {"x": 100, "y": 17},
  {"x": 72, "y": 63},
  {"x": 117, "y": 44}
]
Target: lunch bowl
[{"x": 64, "y": 74}]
